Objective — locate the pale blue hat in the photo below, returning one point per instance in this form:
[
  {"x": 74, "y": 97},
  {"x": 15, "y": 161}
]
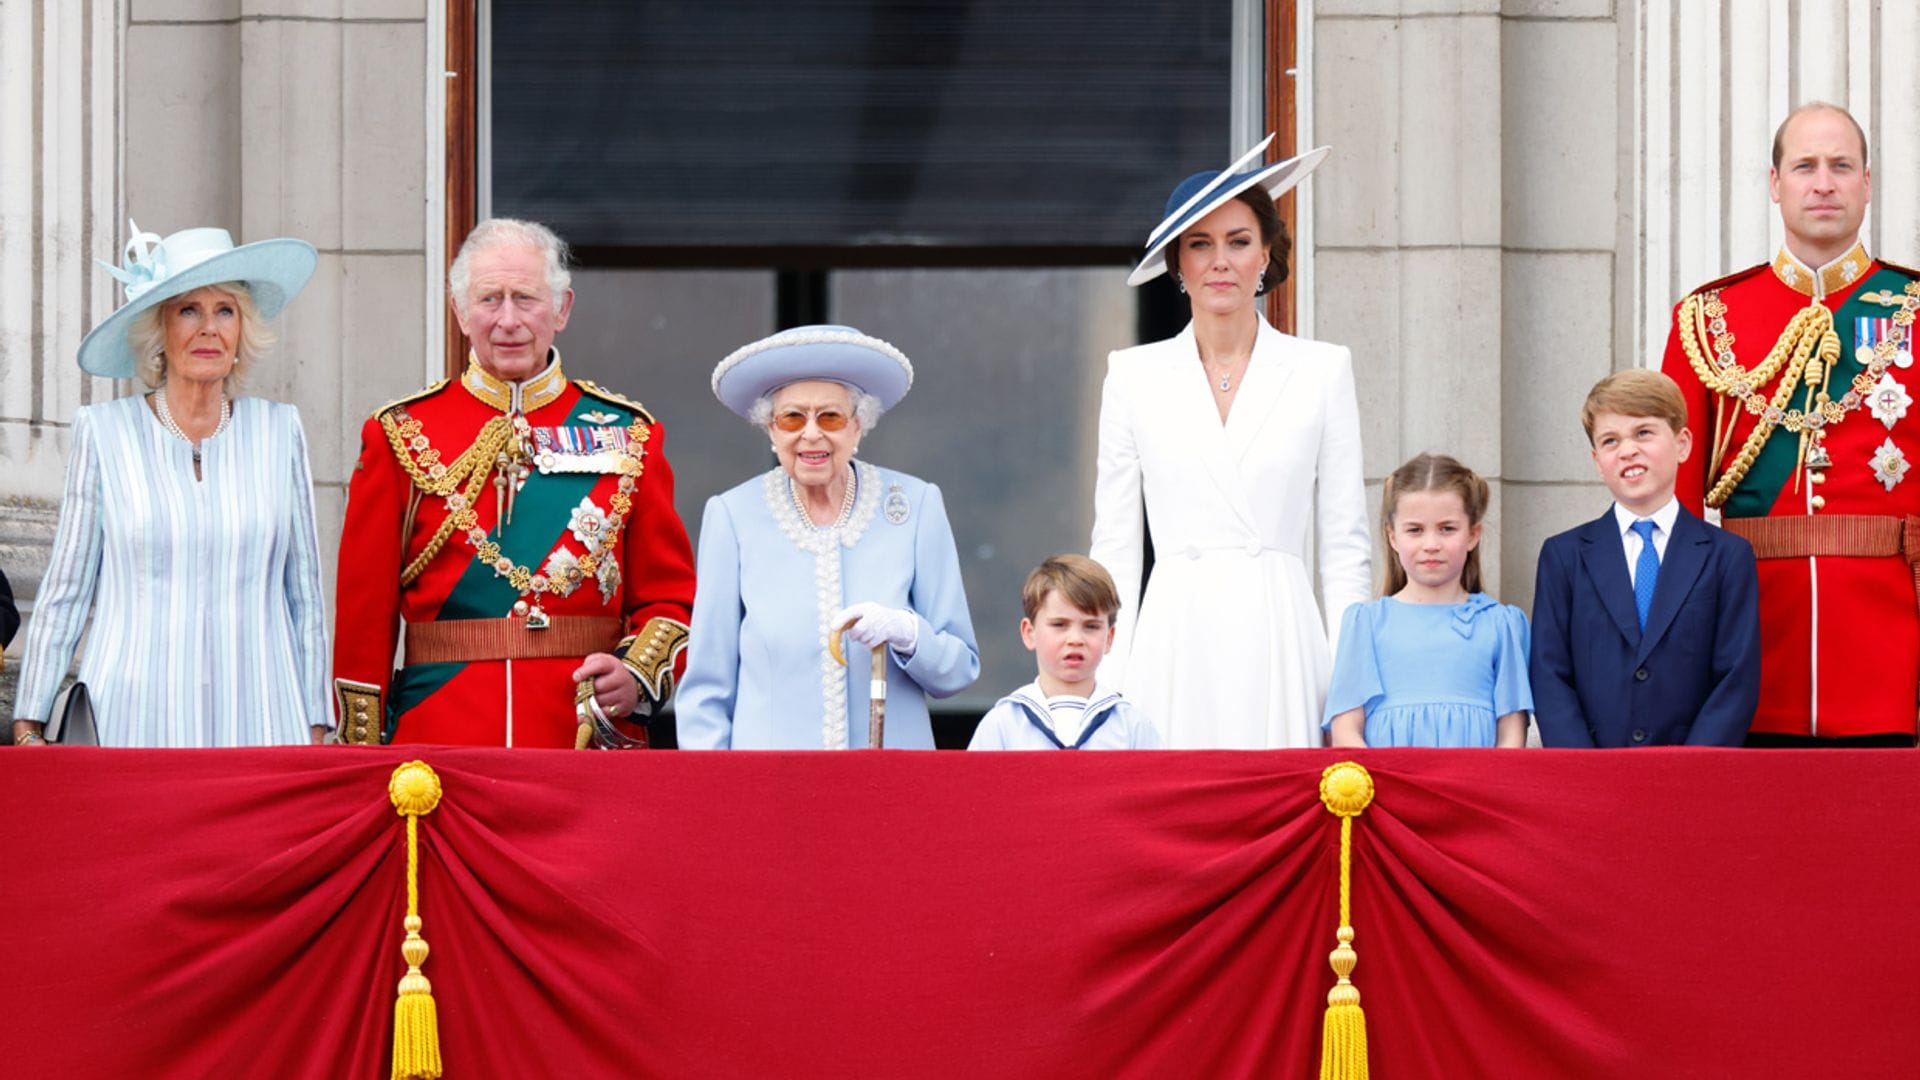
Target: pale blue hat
[
  {"x": 1204, "y": 192},
  {"x": 835, "y": 353},
  {"x": 155, "y": 270}
]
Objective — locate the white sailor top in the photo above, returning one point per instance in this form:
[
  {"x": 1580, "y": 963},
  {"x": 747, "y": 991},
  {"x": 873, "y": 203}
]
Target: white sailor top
[{"x": 1028, "y": 719}]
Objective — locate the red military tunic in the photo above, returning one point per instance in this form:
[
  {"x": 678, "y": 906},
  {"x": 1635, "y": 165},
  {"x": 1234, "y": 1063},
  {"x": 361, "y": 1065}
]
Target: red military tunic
[
  {"x": 472, "y": 523},
  {"x": 1827, "y": 506}
]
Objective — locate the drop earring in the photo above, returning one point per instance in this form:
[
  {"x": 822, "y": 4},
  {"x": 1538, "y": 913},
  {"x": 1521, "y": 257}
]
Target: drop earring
[{"x": 1181, "y": 283}]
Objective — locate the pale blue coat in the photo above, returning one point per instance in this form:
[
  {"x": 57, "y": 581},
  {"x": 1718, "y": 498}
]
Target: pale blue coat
[
  {"x": 758, "y": 672},
  {"x": 209, "y": 626}
]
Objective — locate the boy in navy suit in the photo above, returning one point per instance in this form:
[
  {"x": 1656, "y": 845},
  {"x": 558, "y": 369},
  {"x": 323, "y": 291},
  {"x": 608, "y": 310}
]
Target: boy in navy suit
[{"x": 1646, "y": 626}]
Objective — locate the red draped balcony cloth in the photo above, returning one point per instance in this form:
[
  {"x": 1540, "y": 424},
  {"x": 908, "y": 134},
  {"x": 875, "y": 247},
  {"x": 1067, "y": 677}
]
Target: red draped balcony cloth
[{"x": 1656, "y": 913}]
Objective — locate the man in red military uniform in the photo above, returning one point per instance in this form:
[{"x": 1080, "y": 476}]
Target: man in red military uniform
[
  {"x": 1799, "y": 380},
  {"x": 513, "y": 531}
]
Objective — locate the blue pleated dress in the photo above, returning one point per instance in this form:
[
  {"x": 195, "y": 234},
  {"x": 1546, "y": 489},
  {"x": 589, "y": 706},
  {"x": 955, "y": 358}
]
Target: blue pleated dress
[{"x": 1431, "y": 674}]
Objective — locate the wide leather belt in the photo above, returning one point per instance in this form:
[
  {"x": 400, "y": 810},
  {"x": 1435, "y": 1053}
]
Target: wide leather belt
[
  {"x": 1864, "y": 536},
  {"x": 467, "y": 640}
]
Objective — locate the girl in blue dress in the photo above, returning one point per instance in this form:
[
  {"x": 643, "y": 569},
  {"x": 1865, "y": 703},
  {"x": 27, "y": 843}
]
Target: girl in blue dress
[{"x": 1434, "y": 661}]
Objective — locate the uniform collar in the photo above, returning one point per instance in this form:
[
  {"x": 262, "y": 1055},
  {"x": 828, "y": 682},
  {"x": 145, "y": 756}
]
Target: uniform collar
[
  {"x": 1836, "y": 277},
  {"x": 521, "y": 397}
]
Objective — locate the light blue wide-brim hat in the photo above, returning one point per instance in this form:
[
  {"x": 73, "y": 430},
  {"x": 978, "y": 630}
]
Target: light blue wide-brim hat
[
  {"x": 1204, "y": 192},
  {"x": 836, "y": 353},
  {"x": 155, "y": 270}
]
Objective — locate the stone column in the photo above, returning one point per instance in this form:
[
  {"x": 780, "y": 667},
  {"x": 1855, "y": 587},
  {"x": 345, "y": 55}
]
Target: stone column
[
  {"x": 1715, "y": 88},
  {"x": 1407, "y": 259},
  {"x": 1565, "y": 159},
  {"x": 59, "y": 100},
  {"x": 305, "y": 118},
  {"x": 302, "y": 118}
]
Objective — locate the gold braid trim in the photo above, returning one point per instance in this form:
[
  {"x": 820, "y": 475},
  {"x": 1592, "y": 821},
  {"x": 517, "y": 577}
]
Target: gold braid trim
[
  {"x": 650, "y": 655},
  {"x": 1810, "y": 329},
  {"x": 432, "y": 477},
  {"x": 426, "y": 472},
  {"x": 361, "y": 717}
]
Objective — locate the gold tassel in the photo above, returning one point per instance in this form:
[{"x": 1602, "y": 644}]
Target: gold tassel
[
  {"x": 1346, "y": 789},
  {"x": 415, "y": 790}
]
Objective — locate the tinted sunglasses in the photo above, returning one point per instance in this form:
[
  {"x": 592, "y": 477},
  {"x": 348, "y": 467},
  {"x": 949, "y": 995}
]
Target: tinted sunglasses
[{"x": 825, "y": 420}]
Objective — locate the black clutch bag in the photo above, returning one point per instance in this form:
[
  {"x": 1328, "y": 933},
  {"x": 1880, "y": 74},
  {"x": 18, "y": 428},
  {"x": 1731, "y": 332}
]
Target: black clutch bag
[{"x": 73, "y": 723}]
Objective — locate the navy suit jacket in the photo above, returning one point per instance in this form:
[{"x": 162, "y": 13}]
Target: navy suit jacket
[{"x": 1693, "y": 677}]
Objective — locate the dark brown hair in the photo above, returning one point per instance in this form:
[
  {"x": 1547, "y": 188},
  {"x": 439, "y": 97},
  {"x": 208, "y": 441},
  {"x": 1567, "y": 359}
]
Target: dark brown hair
[
  {"x": 1273, "y": 236},
  {"x": 1431, "y": 472},
  {"x": 1084, "y": 583}
]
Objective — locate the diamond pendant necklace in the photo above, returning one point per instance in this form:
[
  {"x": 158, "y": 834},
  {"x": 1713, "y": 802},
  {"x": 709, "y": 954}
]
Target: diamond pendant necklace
[{"x": 1226, "y": 376}]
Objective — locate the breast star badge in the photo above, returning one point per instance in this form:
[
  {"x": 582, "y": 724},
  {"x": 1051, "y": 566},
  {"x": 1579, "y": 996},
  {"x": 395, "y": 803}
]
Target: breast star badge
[
  {"x": 1889, "y": 464},
  {"x": 1888, "y": 400}
]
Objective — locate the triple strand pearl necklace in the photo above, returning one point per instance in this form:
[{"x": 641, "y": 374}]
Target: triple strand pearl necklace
[
  {"x": 166, "y": 420},
  {"x": 846, "y": 502}
]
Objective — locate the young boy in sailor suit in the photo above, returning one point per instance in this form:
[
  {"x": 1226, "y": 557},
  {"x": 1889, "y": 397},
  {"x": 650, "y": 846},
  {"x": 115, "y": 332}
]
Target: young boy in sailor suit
[{"x": 1070, "y": 603}]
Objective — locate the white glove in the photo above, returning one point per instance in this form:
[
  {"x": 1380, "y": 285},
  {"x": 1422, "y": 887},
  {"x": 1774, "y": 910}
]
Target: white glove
[{"x": 875, "y": 625}]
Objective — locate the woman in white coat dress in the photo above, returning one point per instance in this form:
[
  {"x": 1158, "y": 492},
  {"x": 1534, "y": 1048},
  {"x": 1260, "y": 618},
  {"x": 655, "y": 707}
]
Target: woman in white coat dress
[{"x": 1236, "y": 436}]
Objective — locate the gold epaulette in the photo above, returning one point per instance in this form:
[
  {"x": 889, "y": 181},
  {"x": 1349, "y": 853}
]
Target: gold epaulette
[
  {"x": 1907, "y": 270},
  {"x": 1737, "y": 275},
  {"x": 594, "y": 389},
  {"x": 423, "y": 392}
]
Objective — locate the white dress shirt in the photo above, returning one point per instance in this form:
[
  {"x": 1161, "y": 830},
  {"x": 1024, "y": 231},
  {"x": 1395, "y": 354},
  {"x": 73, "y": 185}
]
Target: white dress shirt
[{"x": 1662, "y": 519}]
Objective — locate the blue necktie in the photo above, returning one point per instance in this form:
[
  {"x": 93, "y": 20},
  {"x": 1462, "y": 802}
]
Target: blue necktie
[{"x": 1646, "y": 571}]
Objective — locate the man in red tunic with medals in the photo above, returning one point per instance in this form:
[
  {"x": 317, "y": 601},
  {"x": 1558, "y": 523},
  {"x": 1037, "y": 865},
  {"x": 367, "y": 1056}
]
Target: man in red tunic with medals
[
  {"x": 513, "y": 531},
  {"x": 1799, "y": 380}
]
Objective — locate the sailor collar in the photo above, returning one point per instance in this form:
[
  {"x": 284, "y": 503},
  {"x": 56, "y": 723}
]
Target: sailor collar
[
  {"x": 511, "y": 397},
  {"x": 1836, "y": 277},
  {"x": 1034, "y": 704}
]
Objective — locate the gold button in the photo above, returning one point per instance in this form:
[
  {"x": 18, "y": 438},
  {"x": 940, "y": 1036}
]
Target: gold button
[
  {"x": 1817, "y": 477},
  {"x": 1818, "y": 502}
]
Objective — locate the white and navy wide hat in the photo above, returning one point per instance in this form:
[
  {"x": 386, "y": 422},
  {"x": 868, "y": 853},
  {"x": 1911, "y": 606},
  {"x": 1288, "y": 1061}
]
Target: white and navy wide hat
[
  {"x": 835, "y": 353},
  {"x": 1204, "y": 192},
  {"x": 155, "y": 270}
]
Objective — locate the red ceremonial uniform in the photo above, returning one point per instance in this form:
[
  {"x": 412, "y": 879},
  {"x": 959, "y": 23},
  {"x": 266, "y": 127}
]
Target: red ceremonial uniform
[
  {"x": 1823, "y": 491},
  {"x": 512, "y": 530}
]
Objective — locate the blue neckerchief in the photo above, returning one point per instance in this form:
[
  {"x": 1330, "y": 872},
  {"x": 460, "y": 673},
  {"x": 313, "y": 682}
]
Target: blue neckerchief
[{"x": 1098, "y": 711}]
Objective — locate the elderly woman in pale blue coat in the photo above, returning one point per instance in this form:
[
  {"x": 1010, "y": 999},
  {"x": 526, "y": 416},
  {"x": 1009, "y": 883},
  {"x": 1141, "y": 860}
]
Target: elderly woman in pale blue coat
[{"x": 819, "y": 542}]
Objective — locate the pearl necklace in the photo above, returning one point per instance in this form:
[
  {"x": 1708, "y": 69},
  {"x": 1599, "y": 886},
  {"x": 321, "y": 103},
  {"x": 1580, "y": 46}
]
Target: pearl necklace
[
  {"x": 846, "y": 503},
  {"x": 166, "y": 419}
]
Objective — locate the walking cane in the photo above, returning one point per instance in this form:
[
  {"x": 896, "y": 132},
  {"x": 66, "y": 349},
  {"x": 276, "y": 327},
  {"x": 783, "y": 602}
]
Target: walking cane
[{"x": 877, "y": 688}]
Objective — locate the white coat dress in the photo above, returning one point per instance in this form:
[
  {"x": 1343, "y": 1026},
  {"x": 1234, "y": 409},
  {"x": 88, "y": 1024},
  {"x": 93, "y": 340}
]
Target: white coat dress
[{"x": 1228, "y": 648}]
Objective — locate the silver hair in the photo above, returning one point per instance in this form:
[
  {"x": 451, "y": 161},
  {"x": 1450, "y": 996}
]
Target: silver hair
[
  {"x": 147, "y": 337},
  {"x": 512, "y": 232},
  {"x": 866, "y": 407}
]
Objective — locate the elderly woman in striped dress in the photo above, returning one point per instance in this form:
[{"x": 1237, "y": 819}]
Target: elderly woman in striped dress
[{"x": 187, "y": 527}]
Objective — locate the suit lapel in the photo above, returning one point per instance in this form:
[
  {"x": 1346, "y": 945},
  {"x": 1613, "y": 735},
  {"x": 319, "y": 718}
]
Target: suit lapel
[
  {"x": 1269, "y": 371},
  {"x": 1605, "y": 560},
  {"x": 1185, "y": 382},
  {"x": 1686, "y": 556}
]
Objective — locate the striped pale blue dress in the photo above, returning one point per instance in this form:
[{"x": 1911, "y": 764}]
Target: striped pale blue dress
[{"x": 208, "y": 623}]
